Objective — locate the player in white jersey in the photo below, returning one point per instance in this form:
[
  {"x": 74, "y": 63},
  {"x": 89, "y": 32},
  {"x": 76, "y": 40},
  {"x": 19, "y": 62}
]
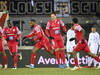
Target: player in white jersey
[
  {"x": 93, "y": 43},
  {"x": 70, "y": 42}
]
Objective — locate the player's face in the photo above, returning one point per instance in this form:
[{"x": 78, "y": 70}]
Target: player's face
[
  {"x": 31, "y": 23},
  {"x": 9, "y": 24},
  {"x": 53, "y": 17},
  {"x": 93, "y": 30}
]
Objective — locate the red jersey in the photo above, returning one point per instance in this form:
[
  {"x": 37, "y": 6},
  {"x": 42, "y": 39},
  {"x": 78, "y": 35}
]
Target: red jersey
[
  {"x": 54, "y": 27},
  {"x": 38, "y": 32},
  {"x": 12, "y": 32},
  {"x": 78, "y": 33},
  {"x": 1, "y": 31}
]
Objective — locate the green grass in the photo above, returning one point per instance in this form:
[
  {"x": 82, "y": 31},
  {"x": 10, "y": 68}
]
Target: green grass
[{"x": 49, "y": 71}]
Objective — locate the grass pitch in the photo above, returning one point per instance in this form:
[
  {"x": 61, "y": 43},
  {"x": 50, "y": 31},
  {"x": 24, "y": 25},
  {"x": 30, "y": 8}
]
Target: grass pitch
[{"x": 49, "y": 71}]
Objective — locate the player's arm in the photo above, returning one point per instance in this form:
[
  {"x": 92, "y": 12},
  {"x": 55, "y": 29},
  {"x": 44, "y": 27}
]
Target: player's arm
[
  {"x": 89, "y": 40},
  {"x": 83, "y": 33},
  {"x": 63, "y": 26},
  {"x": 69, "y": 34},
  {"x": 19, "y": 34},
  {"x": 4, "y": 35},
  {"x": 1, "y": 32},
  {"x": 47, "y": 31},
  {"x": 30, "y": 35},
  {"x": 39, "y": 35}
]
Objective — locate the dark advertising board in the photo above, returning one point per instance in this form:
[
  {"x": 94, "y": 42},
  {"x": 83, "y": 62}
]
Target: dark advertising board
[{"x": 43, "y": 59}]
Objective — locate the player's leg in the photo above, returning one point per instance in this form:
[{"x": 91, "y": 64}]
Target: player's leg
[
  {"x": 91, "y": 54},
  {"x": 4, "y": 54},
  {"x": 14, "y": 55},
  {"x": 62, "y": 52},
  {"x": 33, "y": 56},
  {"x": 48, "y": 47},
  {"x": 5, "y": 59},
  {"x": 69, "y": 52},
  {"x": 77, "y": 49},
  {"x": 55, "y": 45}
]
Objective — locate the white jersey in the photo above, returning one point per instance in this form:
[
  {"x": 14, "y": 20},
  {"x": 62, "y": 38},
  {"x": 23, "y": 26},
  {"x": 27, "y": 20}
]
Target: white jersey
[
  {"x": 70, "y": 44},
  {"x": 93, "y": 42}
]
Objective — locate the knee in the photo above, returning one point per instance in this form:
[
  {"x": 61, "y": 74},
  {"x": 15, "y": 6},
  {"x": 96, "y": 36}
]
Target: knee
[{"x": 57, "y": 49}]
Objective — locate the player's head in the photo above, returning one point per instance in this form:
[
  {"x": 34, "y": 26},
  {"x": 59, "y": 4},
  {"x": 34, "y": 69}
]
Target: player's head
[
  {"x": 32, "y": 23},
  {"x": 74, "y": 20},
  {"x": 72, "y": 26},
  {"x": 53, "y": 16},
  {"x": 9, "y": 23},
  {"x": 93, "y": 29}
]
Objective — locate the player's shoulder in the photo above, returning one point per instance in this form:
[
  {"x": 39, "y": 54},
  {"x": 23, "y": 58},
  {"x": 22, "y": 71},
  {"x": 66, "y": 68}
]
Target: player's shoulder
[
  {"x": 37, "y": 27},
  {"x": 6, "y": 27},
  {"x": 97, "y": 33}
]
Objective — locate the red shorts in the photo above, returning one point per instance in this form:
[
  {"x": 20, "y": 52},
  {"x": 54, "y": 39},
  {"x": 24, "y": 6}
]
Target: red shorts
[
  {"x": 81, "y": 46},
  {"x": 1, "y": 46},
  {"x": 12, "y": 47},
  {"x": 58, "y": 43},
  {"x": 45, "y": 44}
]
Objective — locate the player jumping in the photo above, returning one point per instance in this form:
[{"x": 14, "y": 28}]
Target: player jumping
[
  {"x": 56, "y": 38},
  {"x": 82, "y": 43},
  {"x": 43, "y": 41}
]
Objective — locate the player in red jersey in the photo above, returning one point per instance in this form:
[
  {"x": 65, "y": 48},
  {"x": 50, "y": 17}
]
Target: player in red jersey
[
  {"x": 81, "y": 43},
  {"x": 2, "y": 48},
  {"x": 12, "y": 35},
  {"x": 43, "y": 41},
  {"x": 56, "y": 38}
]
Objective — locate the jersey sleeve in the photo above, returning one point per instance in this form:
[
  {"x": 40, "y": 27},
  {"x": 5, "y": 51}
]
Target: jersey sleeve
[
  {"x": 4, "y": 35},
  {"x": 1, "y": 30},
  {"x": 62, "y": 23},
  {"x": 47, "y": 28},
  {"x": 30, "y": 35},
  {"x": 48, "y": 25},
  {"x": 63, "y": 26},
  {"x": 19, "y": 33},
  {"x": 38, "y": 32},
  {"x": 79, "y": 28}
]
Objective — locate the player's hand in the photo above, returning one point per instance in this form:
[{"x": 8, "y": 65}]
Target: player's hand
[
  {"x": 7, "y": 39},
  {"x": 51, "y": 37},
  {"x": 82, "y": 41},
  {"x": 72, "y": 39},
  {"x": 17, "y": 40},
  {"x": 64, "y": 33},
  {"x": 24, "y": 38}
]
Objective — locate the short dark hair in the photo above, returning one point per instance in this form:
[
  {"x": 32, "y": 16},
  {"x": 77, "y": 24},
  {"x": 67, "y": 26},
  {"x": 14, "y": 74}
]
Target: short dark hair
[
  {"x": 75, "y": 20},
  {"x": 33, "y": 20},
  {"x": 53, "y": 13}
]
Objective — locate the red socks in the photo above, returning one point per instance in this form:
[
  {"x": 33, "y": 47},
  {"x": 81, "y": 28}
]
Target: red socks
[
  {"x": 5, "y": 59},
  {"x": 76, "y": 62},
  {"x": 33, "y": 58},
  {"x": 15, "y": 61},
  {"x": 97, "y": 58},
  {"x": 63, "y": 56},
  {"x": 57, "y": 56}
]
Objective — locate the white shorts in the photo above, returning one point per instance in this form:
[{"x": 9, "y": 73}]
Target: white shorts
[{"x": 94, "y": 48}]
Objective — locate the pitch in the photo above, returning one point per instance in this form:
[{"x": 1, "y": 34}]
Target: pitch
[{"x": 49, "y": 71}]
